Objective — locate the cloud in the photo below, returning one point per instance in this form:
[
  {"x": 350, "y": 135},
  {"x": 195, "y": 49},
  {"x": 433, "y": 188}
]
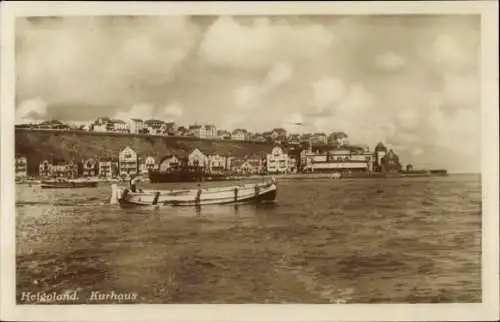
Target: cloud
[
  {"x": 142, "y": 111},
  {"x": 249, "y": 96},
  {"x": 228, "y": 43},
  {"x": 461, "y": 91},
  {"x": 279, "y": 73},
  {"x": 31, "y": 110},
  {"x": 173, "y": 110},
  {"x": 93, "y": 58},
  {"x": 408, "y": 118},
  {"x": 446, "y": 50},
  {"x": 327, "y": 91},
  {"x": 390, "y": 61},
  {"x": 147, "y": 111}
]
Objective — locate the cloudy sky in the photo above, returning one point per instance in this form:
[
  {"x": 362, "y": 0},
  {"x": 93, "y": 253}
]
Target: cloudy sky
[{"x": 408, "y": 81}]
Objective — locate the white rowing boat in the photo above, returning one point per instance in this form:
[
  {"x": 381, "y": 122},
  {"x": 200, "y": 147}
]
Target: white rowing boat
[{"x": 258, "y": 193}]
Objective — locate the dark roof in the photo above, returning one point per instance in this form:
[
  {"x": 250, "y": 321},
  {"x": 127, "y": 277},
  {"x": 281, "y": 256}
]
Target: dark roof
[
  {"x": 338, "y": 134},
  {"x": 153, "y": 122},
  {"x": 108, "y": 159},
  {"x": 59, "y": 162},
  {"x": 380, "y": 147}
]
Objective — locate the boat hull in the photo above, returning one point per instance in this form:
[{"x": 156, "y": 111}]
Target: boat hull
[
  {"x": 260, "y": 193},
  {"x": 184, "y": 176}
]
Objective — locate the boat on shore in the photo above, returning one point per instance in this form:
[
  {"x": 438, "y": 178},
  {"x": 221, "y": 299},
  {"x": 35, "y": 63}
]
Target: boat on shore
[
  {"x": 62, "y": 183},
  {"x": 248, "y": 193}
]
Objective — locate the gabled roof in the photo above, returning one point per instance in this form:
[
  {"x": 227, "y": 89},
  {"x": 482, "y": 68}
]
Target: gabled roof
[
  {"x": 169, "y": 156},
  {"x": 237, "y": 162},
  {"x": 279, "y": 146},
  {"x": 127, "y": 148}
]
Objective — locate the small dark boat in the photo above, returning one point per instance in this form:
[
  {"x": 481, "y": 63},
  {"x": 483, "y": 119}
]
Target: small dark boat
[{"x": 62, "y": 183}]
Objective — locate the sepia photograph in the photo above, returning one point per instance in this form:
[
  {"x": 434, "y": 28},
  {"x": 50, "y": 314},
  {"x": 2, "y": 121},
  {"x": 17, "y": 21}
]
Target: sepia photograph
[{"x": 249, "y": 157}]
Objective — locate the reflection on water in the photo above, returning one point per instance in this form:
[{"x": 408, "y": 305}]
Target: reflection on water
[{"x": 342, "y": 241}]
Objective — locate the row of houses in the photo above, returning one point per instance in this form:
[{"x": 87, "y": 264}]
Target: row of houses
[
  {"x": 279, "y": 160},
  {"x": 130, "y": 162},
  {"x": 162, "y": 128}
]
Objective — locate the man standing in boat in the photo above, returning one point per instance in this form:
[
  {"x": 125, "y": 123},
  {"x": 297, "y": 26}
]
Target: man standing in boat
[{"x": 133, "y": 183}]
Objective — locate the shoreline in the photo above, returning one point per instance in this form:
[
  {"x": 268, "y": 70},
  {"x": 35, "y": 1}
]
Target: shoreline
[{"x": 293, "y": 176}]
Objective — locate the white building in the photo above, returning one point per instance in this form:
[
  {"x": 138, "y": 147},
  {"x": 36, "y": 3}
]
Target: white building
[
  {"x": 147, "y": 165},
  {"x": 100, "y": 127},
  {"x": 21, "y": 167},
  {"x": 128, "y": 162},
  {"x": 136, "y": 126},
  {"x": 169, "y": 162},
  {"x": 197, "y": 159},
  {"x": 120, "y": 126},
  {"x": 108, "y": 168},
  {"x": 339, "y": 160},
  {"x": 277, "y": 161},
  {"x": 210, "y": 131},
  {"x": 217, "y": 163},
  {"x": 239, "y": 135},
  {"x": 198, "y": 131},
  {"x": 90, "y": 168},
  {"x": 45, "y": 168}
]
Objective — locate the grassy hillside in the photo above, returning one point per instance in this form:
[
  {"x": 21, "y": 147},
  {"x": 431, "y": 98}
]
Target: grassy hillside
[{"x": 40, "y": 145}]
